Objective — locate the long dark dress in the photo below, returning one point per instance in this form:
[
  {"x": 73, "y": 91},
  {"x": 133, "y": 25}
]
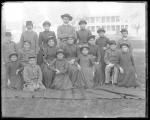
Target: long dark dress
[
  {"x": 43, "y": 38},
  {"x": 86, "y": 64},
  {"x": 48, "y": 74},
  {"x": 15, "y": 79},
  {"x": 102, "y": 42},
  {"x": 61, "y": 80},
  {"x": 72, "y": 52},
  {"x": 95, "y": 52},
  {"x": 127, "y": 79}
]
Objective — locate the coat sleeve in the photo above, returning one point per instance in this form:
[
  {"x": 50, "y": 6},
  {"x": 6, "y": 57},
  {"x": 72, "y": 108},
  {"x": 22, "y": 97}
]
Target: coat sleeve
[
  {"x": 21, "y": 40},
  {"x": 59, "y": 33},
  {"x": 89, "y": 33},
  {"x": 106, "y": 57},
  {"x": 36, "y": 43},
  {"x": 7, "y": 71},
  {"x": 74, "y": 32},
  {"x": 40, "y": 74},
  {"x": 98, "y": 54},
  {"x": 40, "y": 40},
  {"x": 25, "y": 75}
]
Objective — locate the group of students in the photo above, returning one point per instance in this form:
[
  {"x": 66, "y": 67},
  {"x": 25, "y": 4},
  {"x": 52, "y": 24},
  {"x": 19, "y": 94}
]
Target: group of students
[{"x": 75, "y": 59}]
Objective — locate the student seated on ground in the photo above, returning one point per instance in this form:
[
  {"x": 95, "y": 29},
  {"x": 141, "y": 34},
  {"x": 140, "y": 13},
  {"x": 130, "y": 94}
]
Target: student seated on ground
[
  {"x": 60, "y": 66},
  {"x": 32, "y": 76},
  {"x": 13, "y": 75},
  {"x": 111, "y": 59},
  {"x": 129, "y": 77}
]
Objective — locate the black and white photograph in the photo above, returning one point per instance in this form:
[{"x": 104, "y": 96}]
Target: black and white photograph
[{"x": 70, "y": 59}]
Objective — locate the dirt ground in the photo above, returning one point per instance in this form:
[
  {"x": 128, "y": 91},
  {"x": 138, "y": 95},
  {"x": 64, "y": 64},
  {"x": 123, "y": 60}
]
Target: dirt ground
[{"x": 40, "y": 107}]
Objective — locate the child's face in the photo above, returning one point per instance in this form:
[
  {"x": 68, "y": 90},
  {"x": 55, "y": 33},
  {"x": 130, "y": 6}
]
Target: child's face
[
  {"x": 46, "y": 27},
  {"x": 124, "y": 34},
  {"x": 29, "y": 27},
  {"x": 13, "y": 58},
  {"x": 82, "y": 26},
  {"x": 27, "y": 46},
  {"x": 8, "y": 38},
  {"x": 125, "y": 48},
  {"x": 32, "y": 61},
  {"x": 66, "y": 20},
  {"x": 51, "y": 43},
  {"x": 101, "y": 34},
  {"x": 85, "y": 51},
  {"x": 92, "y": 41},
  {"x": 113, "y": 46},
  {"x": 70, "y": 41},
  {"x": 60, "y": 56}
]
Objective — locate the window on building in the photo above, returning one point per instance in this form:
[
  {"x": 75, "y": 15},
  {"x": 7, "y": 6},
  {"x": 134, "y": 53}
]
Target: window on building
[
  {"x": 97, "y": 27},
  {"x": 108, "y": 27},
  {"x": 117, "y": 19},
  {"x": 122, "y": 26},
  {"x": 117, "y": 27},
  {"x": 88, "y": 27},
  {"x": 113, "y": 27},
  {"x": 107, "y": 19},
  {"x": 92, "y": 20},
  {"x": 103, "y": 26},
  {"x": 112, "y": 18},
  {"x": 93, "y": 28},
  {"x": 126, "y": 26},
  {"x": 103, "y": 19}
]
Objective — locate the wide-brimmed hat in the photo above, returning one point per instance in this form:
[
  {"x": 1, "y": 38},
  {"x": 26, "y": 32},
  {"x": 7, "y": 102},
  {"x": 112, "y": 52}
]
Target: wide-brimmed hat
[
  {"x": 67, "y": 15},
  {"x": 12, "y": 54},
  {"x": 8, "y": 34},
  {"x": 29, "y": 23},
  {"x": 91, "y": 36},
  {"x": 82, "y": 22},
  {"x": 46, "y": 23},
  {"x": 101, "y": 30},
  {"x": 124, "y": 44},
  {"x": 112, "y": 42},
  {"x": 124, "y": 30}
]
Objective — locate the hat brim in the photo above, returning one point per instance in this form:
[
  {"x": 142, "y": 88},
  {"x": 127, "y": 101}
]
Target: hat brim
[
  {"x": 80, "y": 23},
  {"x": 98, "y": 31},
  {"x": 13, "y": 54},
  {"x": 124, "y": 45},
  {"x": 68, "y": 16},
  {"x": 123, "y": 31}
]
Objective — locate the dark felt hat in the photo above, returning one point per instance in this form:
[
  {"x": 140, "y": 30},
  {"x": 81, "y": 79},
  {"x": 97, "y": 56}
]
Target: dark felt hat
[
  {"x": 124, "y": 44},
  {"x": 101, "y": 30},
  {"x": 67, "y": 15},
  {"x": 75, "y": 40},
  {"x": 82, "y": 22},
  {"x": 112, "y": 42},
  {"x": 8, "y": 34},
  {"x": 124, "y": 30},
  {"x": 12, "y": 54},
  {"x": 46, "y": 23},
  {"x": 52, "y": 38},
  {"x": 91, "y": 36},
  {"x": 29, "y": 23},
  {"x": 83, "y": 46},
  {"x": 60, "y": 50},
  {"x": 32, "y": 56}
]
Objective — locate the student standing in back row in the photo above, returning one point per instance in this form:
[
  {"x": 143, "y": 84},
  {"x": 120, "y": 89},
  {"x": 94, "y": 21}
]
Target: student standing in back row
[
  {"x": 66, "y": 30},
  {"x": 31, "y": 36},
  {"x": 103, "y": 43},
  {"x": 83, "y": 33},
  {"x": 43, "y": 38}
]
